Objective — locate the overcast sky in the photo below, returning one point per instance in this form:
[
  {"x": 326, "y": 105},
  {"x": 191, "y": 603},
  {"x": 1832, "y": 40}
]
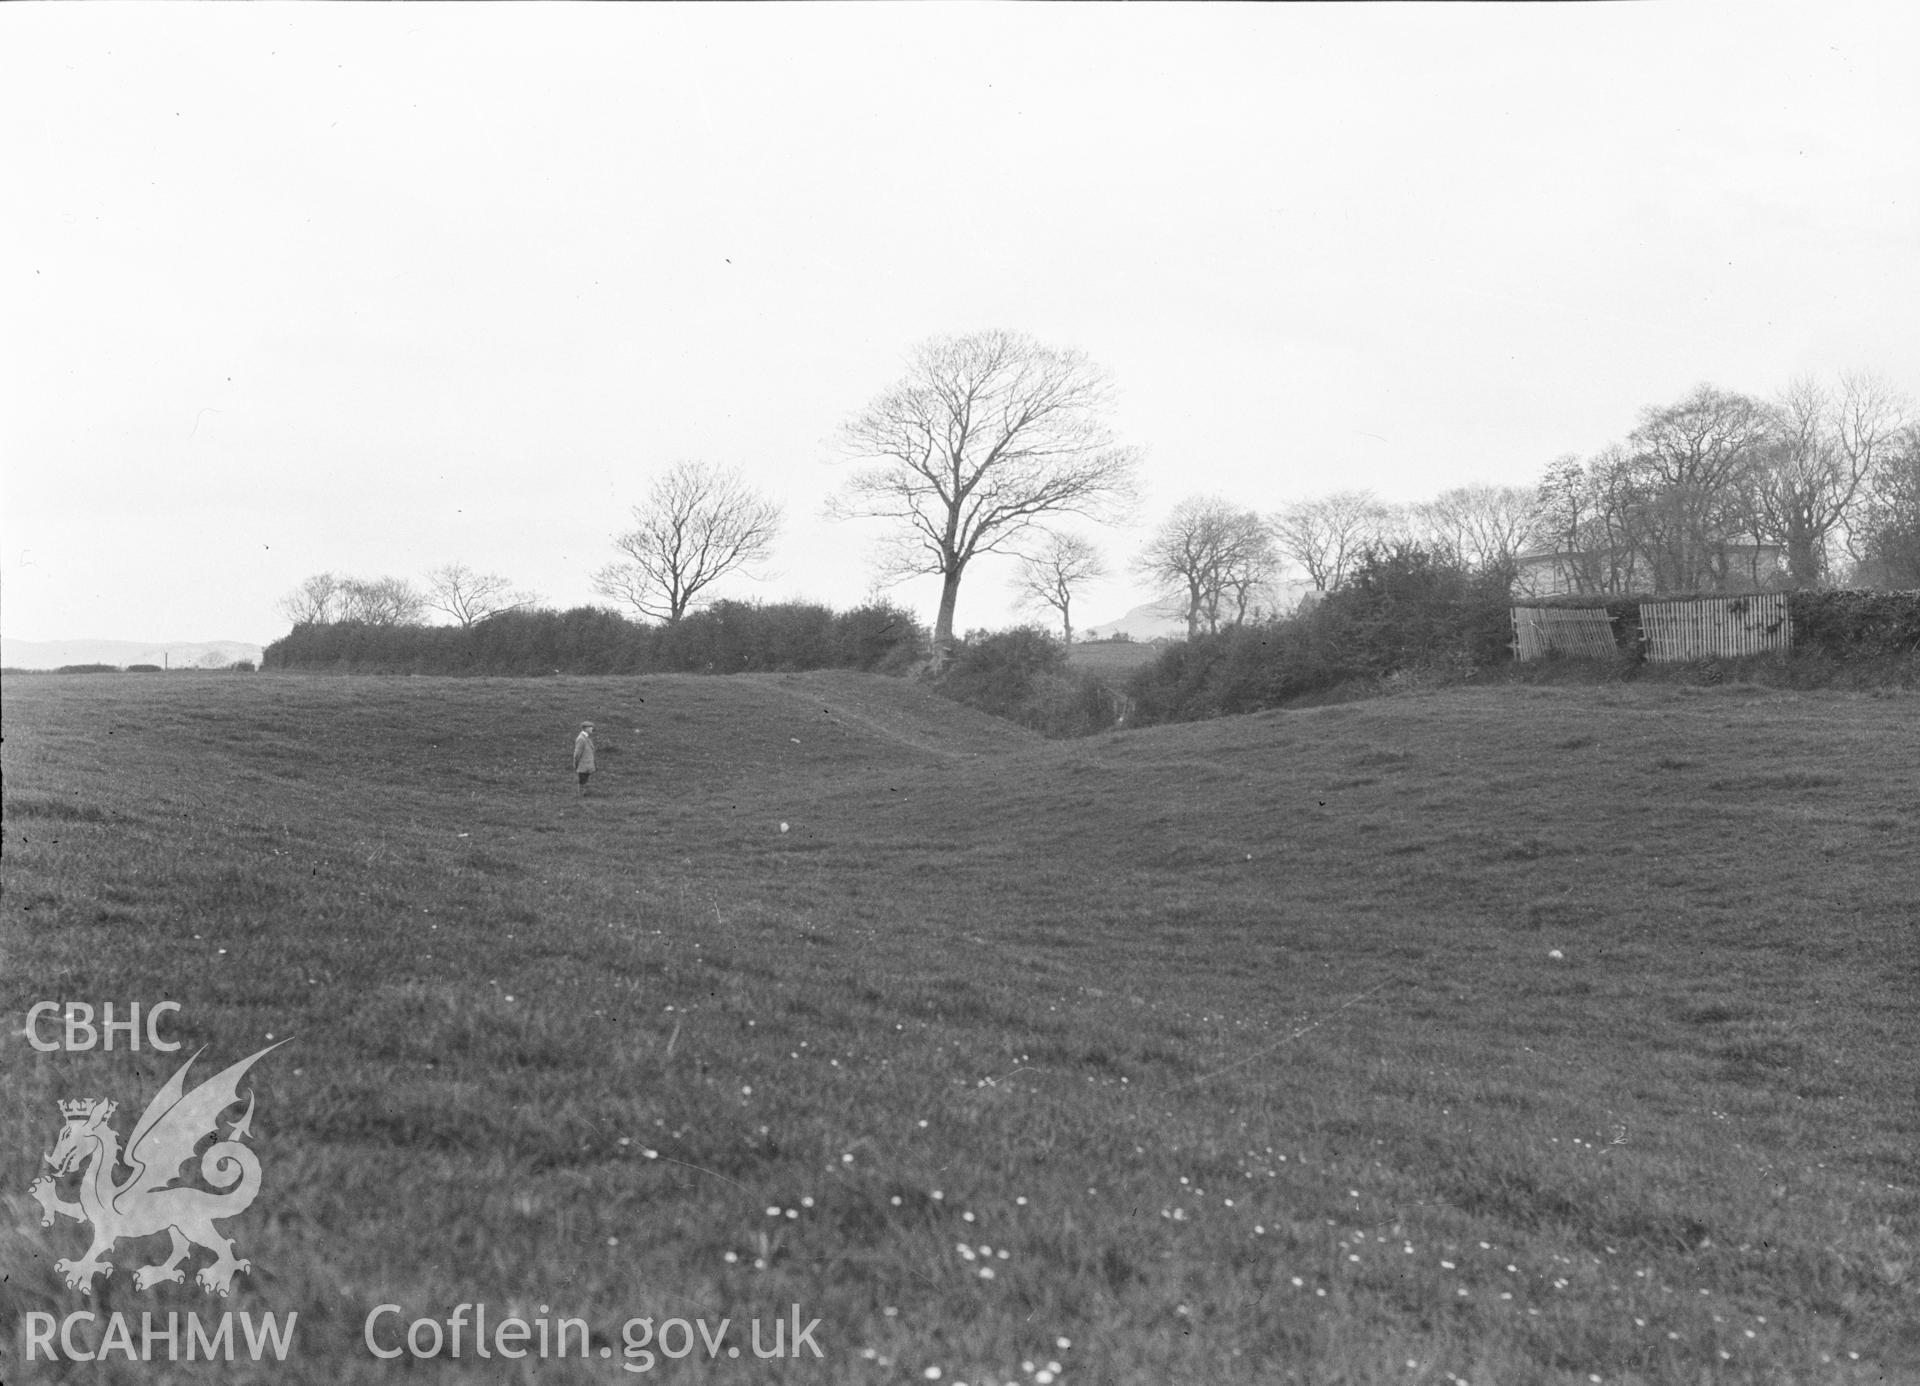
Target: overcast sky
[{"x": 371, "y": 288}]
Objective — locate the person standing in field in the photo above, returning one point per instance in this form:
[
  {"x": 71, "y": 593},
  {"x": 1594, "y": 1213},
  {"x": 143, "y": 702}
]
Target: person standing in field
[{"x": 583, "y": 754}]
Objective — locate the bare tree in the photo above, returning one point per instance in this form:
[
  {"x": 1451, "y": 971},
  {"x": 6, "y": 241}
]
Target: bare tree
[
  {"x": 1888, "y": 533},
  {"x": 471, "y": 597},
  {"x": 983, "y": 436},
  {"x": 1694, "y": 462},
  {"x": 1487, "y": 526},
  {"x": 316, "y": 601},
  {"x": 1326, "y": 535},
  {"x": 698, "y": 524},
  {"x": 1050, "y": 578},
  {"x": 384, "y": 601},
  {"x": 1809, "y": 480},
  {"x": 1215, "y": 555}
]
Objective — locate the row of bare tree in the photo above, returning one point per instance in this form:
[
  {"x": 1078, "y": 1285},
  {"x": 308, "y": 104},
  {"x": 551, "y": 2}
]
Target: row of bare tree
[
  {"x": 455, "y": 590},
  {"x": 990, "y": 440},
  {"x": 1723, "y": 488},
  {"x": 1718, "y": 491}
]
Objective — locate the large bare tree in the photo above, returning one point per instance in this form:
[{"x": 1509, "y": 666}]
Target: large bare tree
[
  {"x": 316, "y": 601},
  {"x": 1694, "y": 462},
  {"x": 1327, "y": 535},
  {"x": 1825, "y": 450},
  {"x": 983, "y": 436},
  {"x": 323, "y": 598},
  {"x": 471, "y": 597},
  {"x": 1487, "y": 526},
  {"x": 1215, "y": 555},
  {"x": 1887, "y": 535},
  {"x": 1050, "y": 578},
  {"x": 381, "y": 601},
  {"x": 698, "y": 524}
]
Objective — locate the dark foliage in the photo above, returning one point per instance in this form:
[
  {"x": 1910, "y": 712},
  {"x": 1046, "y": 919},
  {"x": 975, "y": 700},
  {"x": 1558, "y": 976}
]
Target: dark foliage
[
  {"x": 725, "y": 638},
  {"x": 1853, "y": 625},
  {"x": 1405, "y": 611},
  {"x": 1022, "y": 675}
]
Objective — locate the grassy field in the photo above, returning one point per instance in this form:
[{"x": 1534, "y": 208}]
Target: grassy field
[
  {"x": 1115, "y": 658},
  {"x": 1522, "y": 1035}
]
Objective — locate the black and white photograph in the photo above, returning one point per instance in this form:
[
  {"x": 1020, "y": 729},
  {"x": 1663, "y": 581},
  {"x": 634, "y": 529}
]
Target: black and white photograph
[{"x": 994, "y": 694}]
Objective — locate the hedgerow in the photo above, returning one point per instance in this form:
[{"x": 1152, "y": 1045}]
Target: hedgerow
[
  {"x": 725, "y": 638},
  {"x": 1023, "y": 675},
  {"x": 1409, "y": 616},
  {"x": 1856, "y": 624}
]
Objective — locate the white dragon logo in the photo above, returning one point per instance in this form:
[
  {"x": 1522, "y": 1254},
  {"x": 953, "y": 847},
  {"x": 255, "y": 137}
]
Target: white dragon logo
[{"x": 148, "y": 1201}]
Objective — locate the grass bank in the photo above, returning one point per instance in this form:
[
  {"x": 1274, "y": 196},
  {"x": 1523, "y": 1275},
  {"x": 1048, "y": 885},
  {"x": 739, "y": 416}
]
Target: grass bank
[{"x": 1534, "y": 1034}]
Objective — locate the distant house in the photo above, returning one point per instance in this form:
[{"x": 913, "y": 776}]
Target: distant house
[{"x": 1734, "y": 565}]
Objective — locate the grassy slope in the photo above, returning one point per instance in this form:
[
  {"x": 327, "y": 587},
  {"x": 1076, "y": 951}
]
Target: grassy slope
[{"x": 1242, "y": 1040}]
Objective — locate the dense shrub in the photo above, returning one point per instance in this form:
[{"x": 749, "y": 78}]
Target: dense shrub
[
  {"x": 728, "y": 637},
  {"x": 1856, "y": 625},
  {"x": 1407, "y": 615},
  {"x": 88, "y": 669},
  {"x": 1410, "y": 608},
  {"x": 1022, "y": 675}
]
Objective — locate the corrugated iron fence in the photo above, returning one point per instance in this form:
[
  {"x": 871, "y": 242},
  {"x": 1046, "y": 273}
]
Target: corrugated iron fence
[
  {"x": 1723, "y": 626},
  {"x": 1574, "y": 632},
  {"x": 1674, "y": 632}
]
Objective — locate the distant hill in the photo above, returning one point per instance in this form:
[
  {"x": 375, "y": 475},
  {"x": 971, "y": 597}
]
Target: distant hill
[
  {"x": 177, "y": 654},
  {"x": 1152, "y": 621}
]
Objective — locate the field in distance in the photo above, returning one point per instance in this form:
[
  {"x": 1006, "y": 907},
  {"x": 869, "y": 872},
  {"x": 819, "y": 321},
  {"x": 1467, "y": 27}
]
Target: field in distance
[{"x": 1502, "y": 1035}]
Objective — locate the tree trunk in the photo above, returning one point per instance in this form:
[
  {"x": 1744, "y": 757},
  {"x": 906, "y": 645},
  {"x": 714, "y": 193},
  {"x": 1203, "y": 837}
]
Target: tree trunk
[
  {"x": 943, "y": 623},
  {"x": 1803, "y": 556}
]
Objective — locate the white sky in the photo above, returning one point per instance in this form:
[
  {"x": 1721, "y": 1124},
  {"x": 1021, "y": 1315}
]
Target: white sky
[{"x": 372, "y": 288}]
